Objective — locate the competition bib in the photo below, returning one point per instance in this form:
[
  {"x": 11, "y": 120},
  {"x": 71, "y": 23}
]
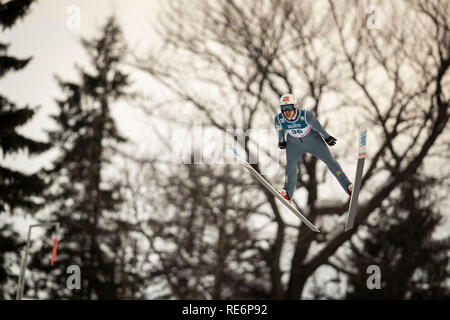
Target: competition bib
[{"x": 298, "y": 127}]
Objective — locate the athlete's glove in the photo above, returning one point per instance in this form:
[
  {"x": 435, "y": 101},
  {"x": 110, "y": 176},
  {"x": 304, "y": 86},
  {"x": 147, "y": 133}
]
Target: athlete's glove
[
  {"x": 331, "y": 141},
  {"x": 282, "y": 144}
]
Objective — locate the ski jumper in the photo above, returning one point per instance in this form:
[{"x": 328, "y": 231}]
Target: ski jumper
[{"x": 305, "y": 135}]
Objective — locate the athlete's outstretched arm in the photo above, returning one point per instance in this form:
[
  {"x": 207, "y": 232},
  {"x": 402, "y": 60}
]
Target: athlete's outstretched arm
[{"x": 315, "y": 124}]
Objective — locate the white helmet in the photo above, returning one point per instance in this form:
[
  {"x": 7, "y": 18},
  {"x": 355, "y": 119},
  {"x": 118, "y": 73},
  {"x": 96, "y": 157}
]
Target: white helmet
[{"x": 288, "y": 99}]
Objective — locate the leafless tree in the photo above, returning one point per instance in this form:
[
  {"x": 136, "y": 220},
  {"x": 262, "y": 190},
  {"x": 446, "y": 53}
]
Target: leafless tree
[{"x": 230, "y": 61}]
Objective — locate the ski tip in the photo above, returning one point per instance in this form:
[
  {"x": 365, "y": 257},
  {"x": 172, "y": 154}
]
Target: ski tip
[{"x": 315, "y": 229}]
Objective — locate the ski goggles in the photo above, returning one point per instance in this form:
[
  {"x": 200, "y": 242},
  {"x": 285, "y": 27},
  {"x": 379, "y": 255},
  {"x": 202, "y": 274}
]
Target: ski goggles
[{"x": 287, "y": 107}]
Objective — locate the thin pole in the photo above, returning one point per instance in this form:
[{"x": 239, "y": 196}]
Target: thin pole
[
  {"x": 25, "y": 259},
  {"x": 22, "y": 285},
  {"x": 19, "y": 282}
]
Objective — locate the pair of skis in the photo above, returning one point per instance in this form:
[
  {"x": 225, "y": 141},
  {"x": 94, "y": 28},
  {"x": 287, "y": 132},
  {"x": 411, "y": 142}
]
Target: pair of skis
[{"x": 355, "y": 193}]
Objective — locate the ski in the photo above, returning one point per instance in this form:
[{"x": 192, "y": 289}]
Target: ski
[
  {"x": 358, "y": 176},
  {"x": 272, "y": 190}
]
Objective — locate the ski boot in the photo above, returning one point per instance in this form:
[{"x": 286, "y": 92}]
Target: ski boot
[{"x": 284, "y": 194}]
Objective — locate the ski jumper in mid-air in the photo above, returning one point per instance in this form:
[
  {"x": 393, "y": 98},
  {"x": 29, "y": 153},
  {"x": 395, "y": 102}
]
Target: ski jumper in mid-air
[{"x": 304, "y": 135}]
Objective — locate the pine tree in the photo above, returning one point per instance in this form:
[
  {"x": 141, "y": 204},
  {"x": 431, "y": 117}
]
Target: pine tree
[
  {"x": 83, "y": 199},
  {"x": 413, "y": 265},
  {"x": 17, "y": 190}
]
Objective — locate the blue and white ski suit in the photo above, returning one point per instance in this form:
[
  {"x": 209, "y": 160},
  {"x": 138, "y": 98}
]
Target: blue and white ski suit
[{"x": 305, "y": 135}]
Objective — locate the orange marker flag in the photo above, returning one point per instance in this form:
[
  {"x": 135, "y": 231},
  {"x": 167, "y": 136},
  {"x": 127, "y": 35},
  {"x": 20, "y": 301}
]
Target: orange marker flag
[{"x": 55, "y": 247}]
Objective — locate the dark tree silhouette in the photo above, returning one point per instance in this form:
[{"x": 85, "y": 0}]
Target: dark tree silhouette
[
  {"x": 249, "y": 53},
  {"x": 412, "y": 264},
  {"x": 84, "y": 198}
]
